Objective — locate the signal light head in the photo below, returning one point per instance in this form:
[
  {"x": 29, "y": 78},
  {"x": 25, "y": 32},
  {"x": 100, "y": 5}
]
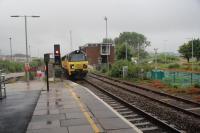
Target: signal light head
[{"x": 57, "y": 52}]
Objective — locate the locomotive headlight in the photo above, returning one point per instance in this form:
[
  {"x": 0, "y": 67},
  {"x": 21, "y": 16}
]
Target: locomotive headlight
[
  {"x": 84, "y": 66},
  {"x": 72, "y": 66}
]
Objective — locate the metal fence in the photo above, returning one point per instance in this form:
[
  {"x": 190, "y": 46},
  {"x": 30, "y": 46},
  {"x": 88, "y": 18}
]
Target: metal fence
[{"x": 183, "y": 79}]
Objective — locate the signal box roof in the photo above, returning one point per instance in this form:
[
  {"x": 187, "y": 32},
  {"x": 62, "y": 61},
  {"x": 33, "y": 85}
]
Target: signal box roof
[{"x": 96, "y": 44}]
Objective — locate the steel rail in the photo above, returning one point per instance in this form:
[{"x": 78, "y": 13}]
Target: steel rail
[
  {"x": 151, "y": 98},
  {"x": 147, "y": 89},
  {"x": 153, "y": 119}
]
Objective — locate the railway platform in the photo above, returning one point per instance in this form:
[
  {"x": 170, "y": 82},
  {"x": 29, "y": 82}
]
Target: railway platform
[{"x": 72, "y": 108}]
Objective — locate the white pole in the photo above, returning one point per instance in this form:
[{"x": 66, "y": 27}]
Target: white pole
[
  {"x": 155, "y": 49},
  {"x": 11, "y": 49},
  {"x": 138, "y": 52},
  {"x": 126, "y": 51},
  {"x": 70, "y": 33},
  {"x": 106, "y": 19},
  {"x": 192, "y": 54}
]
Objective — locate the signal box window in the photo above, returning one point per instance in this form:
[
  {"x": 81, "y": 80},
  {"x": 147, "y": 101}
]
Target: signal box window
[{"x": 105, "y": 49}]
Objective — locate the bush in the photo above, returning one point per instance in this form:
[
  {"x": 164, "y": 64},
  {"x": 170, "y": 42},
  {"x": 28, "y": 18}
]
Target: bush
[
  {"x": 174, "y": 65},
  {"x": 197, "y": 85},
  {"x": 134, "y": 70},
  {"x": 10, "y": 67}
]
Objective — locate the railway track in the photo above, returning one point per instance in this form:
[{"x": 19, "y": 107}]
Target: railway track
[
  {"x": 146, "y": 122},
  {"x": 186, "y": 106}
]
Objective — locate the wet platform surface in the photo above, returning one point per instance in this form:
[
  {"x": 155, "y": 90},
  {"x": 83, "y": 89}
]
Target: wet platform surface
[
  {"x": 71, "y": 108},
  {"x": 16, "y": 110}
]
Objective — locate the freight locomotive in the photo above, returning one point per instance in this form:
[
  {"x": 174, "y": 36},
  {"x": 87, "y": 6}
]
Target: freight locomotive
[{"x": 75, "y": 64}]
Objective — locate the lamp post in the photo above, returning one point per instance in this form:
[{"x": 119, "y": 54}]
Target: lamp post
[
  {"x": 70, "y": 35},
  {"x": 126, "y": 51},
  {"x": 138, "y": 52},
  {"x": 10, "y": 48},
  {"x": 155, "y": 49},
  {"x": 106, "y": 19},
  {"x": 26, "y": 40}
]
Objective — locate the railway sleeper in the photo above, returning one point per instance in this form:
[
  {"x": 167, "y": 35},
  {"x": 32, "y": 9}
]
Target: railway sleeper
[
  {"x": 142, "y": 124},
  {"x": 119, "y": 107},
  {"x": 127, "y": 113},
  {"x": 130, "y": 116},
  {"x": 124, "y": 110},
  {"x": 136, "y": 119},
  {"x": 145, "y": 129}
]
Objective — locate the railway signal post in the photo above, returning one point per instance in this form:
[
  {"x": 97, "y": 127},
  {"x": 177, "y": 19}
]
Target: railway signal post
[{"x": 46, "y": 60}]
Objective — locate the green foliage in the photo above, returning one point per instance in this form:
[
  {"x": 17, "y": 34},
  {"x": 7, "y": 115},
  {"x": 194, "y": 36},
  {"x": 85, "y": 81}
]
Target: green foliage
[
  {"x": 196, "y": 85},
  {"x": 121, "y": 52},
  {"x": 32, "y": 75},
  {"x": 11, "y": 67},
  {"x": 166, "y": 58},
  {"x": 133, "y": 39},
  {"x": 174, "y": 65},
  {"x": 36, "y": 63},
  {"x": 134, "y": 70},
  {"x": 186, "y": 49}
]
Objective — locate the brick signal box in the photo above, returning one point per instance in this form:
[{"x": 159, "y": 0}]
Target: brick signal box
[{"x": 99, "y": 53}]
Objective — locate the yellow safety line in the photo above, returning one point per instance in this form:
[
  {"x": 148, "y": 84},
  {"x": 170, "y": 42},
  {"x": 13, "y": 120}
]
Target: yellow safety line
[{"x": 86, "y": 113}]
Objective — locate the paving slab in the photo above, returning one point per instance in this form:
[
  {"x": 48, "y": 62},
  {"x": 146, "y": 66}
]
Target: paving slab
[
  {"x": 73, "y": 122},
  {"x": 81, "y": 129},
  {"x": 48, "y": 117},
  {"x": 44, "y": 124},
  {"x": 120, "y": 131},
  {"x": 104, "y": 114},
  {"x": 49, "y": 130},
  {"x": 113, "y": 123}
]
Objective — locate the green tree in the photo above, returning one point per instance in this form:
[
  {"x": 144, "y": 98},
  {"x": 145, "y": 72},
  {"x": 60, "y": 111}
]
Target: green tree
[
  {"x": 121, "y": 52},
  {"x": 196, "y": 48},
  {"x": 133, "y": 39},
  {"x": 185, "y": 51},
  {"x": 136, "y": 41}
]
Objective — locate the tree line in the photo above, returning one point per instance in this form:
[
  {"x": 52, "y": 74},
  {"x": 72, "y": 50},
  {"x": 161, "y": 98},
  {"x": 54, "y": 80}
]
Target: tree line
[{"x": 134, "y": 42}]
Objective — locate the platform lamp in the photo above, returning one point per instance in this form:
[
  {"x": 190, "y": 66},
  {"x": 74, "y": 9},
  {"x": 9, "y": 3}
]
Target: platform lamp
[{"x": 26, "y": 40}]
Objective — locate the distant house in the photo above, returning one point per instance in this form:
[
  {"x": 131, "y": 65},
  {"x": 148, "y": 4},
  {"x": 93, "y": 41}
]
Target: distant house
[
  {"x": 20, "y": 58},
  {"x": 16, "y": 57},
  {"x": 99, "y": 53}
]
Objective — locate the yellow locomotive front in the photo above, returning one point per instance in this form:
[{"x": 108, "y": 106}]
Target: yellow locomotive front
[{"x": 75, "y": 64}]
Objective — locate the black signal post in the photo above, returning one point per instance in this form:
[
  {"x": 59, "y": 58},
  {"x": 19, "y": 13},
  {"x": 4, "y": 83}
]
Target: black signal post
[
  {"x": 46, "y": 60},
  {"x": 57, "y": 59}
]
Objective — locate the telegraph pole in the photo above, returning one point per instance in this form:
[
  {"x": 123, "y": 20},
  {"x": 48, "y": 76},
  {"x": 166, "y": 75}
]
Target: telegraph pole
[
  {"x": 10, "y": 48},
  {"x": 138, "y": 52},
  {"x": 70, "y": 34},
  {"x": 156, "y": 49},
  {"x": 106, "y": 19}
]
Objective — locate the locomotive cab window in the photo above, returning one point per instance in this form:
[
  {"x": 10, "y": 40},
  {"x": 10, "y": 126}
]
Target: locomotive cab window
[{"x": 77, "y": 57}]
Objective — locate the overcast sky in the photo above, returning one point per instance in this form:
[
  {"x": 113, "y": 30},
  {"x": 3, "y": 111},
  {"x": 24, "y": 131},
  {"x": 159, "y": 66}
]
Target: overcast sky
[{"x": 158, "y": 20}]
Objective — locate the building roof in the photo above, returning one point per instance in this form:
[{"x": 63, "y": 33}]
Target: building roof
[
  {"x": 20, "y": 55},
  {"x": 95, "y": 44}
]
